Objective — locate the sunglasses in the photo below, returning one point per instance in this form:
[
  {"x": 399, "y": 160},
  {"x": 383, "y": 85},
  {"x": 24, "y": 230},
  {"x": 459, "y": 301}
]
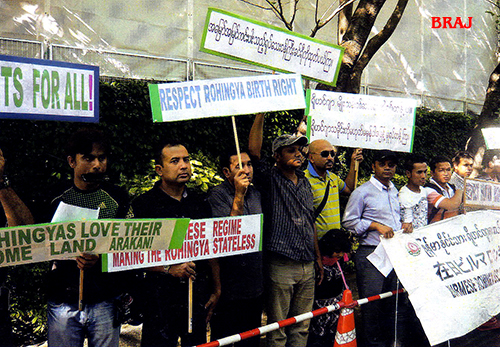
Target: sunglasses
[{"x": 325, "y": 154}]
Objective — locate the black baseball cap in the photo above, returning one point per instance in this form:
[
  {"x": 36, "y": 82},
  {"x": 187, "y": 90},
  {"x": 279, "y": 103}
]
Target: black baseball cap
[{"x": 385, "y": 154}]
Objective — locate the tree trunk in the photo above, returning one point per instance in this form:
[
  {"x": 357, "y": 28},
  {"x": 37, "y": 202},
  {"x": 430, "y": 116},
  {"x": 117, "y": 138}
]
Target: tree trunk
[
  {"x": 358, "y": 50},
  {"x": 488, "y": 117}
]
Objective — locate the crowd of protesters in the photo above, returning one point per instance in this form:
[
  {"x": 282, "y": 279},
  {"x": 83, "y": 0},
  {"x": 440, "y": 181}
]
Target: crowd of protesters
[{"x": 306, "y": 242}]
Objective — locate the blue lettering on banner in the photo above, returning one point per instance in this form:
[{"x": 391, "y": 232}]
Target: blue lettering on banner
[
  {"x": 179, "y": 98},
  {"x": 224, "y": 91}
]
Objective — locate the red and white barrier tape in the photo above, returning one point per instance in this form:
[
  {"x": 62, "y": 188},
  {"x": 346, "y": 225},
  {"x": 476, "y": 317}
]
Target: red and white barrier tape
[{"x": 292, "y": 320}]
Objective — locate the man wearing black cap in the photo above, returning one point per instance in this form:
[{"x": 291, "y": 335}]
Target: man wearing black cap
[
  {"x": 290, "y": 242},
  {"x": 372, "y": 212}
]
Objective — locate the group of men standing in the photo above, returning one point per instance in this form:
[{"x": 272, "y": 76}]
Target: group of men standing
[{"x": 231, "y": 292}]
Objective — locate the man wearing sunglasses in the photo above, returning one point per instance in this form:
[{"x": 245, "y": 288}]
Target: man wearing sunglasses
[{"x": 326, "y": 185}]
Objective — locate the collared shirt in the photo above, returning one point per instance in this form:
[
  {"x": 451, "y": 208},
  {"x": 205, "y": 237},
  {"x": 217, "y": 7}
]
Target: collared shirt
[
  {"x": 221, "y": 200},
  {"x": 288, "y": 212},
  {"x": 155, "y": 203},
  {"x": 372, "y": 202},
  {"x": 241, "y": 275},
  {"x": 329, "y": 218},
  {"x": 457, "y": 181}
]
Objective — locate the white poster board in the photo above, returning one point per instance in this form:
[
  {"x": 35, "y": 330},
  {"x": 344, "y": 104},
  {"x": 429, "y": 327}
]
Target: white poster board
[
  {"x": 247, "y": 40},
  {"x": 48, "y": 90},
  {"x": 355, "y": 120},
  {"x": 482, "y": 194},
  {"x": 491, "y": 137}
]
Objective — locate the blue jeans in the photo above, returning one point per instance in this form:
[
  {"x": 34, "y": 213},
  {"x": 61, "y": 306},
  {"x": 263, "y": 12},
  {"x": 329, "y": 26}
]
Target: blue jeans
[{"x": 69, "y": 327}]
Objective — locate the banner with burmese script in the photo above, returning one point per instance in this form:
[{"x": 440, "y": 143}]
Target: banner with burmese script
[
  {"x": 361, "y": 121},
  {"x": 250, "y": 41},
  {"x": 66, "y": 240},
  {"x": 205, "y": 239},
  {"x": 451, "y": 271}
]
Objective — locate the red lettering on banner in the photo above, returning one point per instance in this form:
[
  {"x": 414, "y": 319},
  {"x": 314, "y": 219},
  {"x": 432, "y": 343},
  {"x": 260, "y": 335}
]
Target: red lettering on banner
[
  {"x": 227, "y": 227},
  {"x": 196, "y": 230},
  {"x": 233, "y": 243},
  {"x": 190, "y": 249},
  {"x": 128, "y": 258},
  {"x": 154, "y": 256}
]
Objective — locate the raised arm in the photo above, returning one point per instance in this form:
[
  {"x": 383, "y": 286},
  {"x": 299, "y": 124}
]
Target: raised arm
[
  {"x": 16, "y": 211},
  {"x": 241, "y": 184},
  {"x": 256, "y": 136},
  {"x": 357, "y": 156}
]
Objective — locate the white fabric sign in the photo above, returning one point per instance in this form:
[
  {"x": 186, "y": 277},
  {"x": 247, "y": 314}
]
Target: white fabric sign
[
  {"x": 258, "y": 43},
  {"x": 451, "y": 271},
  {"x": 205, "y": 239},
  {"x": 226, "y": 97},
  {"x": 354, "y": 120}
]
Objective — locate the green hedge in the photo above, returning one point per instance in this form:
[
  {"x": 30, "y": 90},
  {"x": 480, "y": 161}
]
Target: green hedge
[{"x": 35, "y": 162}]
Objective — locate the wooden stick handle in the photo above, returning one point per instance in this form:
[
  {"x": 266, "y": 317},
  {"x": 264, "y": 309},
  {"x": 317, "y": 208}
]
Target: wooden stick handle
[
  {"x": 80, "y": 293},
  {"x": 237, "y": 142},
  {"x": 356, "y": 171},
  {"x": 190, "y": 306}
]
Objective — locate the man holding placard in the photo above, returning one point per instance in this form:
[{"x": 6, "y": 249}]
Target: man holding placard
[
  {"x": 69, "y": 324},
  {"x": 326, "y": 185},
  {"x": 373, "y": 212},
  {"x": 167, "y": 288},
  {"x": 290, "y": 240},
  {"x": 240, "y": 305}
]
